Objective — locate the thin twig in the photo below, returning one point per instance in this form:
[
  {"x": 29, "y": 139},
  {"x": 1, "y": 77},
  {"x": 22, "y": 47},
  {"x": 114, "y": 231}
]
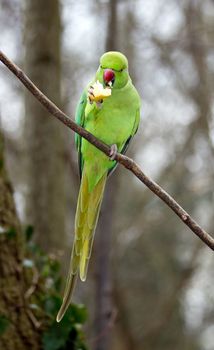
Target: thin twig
[
  {"x": 124, "y": 160},
  {"x": 33, "y": 319},
  {"x": 34, "y": 284}
]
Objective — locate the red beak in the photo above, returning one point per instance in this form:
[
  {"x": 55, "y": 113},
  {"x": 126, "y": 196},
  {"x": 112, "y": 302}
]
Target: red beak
[{"x": 108, "y": 75}]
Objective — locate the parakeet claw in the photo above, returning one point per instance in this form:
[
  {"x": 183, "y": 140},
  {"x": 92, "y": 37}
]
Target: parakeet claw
[
  {"x": 113, "y": 152},
  {"x": 90, "y": 94}
]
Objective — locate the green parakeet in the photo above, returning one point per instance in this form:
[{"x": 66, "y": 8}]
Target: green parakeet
[{"x": 114, "y": 120}]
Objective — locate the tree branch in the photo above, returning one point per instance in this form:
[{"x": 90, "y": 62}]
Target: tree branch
[{"x": 124, "y": 160}]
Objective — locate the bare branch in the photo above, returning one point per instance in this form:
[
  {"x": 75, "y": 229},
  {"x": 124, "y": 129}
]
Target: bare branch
[{"x": 124, "y": 160}]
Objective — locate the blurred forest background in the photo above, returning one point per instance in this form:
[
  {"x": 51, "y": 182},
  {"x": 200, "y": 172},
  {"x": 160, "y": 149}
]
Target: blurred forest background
[{"x": 150, "y": 282}]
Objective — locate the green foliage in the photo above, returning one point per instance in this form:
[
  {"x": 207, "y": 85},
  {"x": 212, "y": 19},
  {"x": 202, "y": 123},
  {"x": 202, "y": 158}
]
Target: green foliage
[
  {"x": 46, "y": 301},
  {"x": 28, "y": 232},
  {"x": 10, "y": 233},
  {"x": 4, "y": 324},
  {"x": 1, "y": 163},
  {"x": 66, "y": 335}
]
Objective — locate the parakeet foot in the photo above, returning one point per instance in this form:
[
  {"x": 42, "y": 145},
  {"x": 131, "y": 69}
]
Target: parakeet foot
[
  {"x": 90, "y": 94},
  {"x": 113, "y": 152}
]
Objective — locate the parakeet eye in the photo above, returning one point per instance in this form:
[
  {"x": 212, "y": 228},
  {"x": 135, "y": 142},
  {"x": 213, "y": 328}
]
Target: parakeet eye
[{"x": 119, "y": 70}]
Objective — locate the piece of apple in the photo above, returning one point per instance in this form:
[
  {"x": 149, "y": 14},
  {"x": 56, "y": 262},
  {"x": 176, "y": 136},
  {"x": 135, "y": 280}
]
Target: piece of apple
[{"x": 97, "y": 92}]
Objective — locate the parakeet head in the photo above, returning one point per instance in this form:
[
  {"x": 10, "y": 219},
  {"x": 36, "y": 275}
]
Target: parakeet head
[{"x": 113, "y": 70}]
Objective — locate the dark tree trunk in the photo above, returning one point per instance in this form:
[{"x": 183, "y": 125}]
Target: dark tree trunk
[
  {"x": 45, "y": 137},
  {"x": 111, "y": 39},
  {"x": 104, "y": 312},
  {"x": 19, "y": 333}
]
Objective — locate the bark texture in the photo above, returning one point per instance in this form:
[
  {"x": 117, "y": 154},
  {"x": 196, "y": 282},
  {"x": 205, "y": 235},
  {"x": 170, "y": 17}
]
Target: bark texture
[
  {"x": 19, "y": 333},
  {"x": 45, "y": 137}
]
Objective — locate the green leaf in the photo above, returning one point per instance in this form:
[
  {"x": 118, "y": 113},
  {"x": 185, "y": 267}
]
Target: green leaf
[
  {"x": 78, "y": 313},
  {"x": 1, "y": 163},
  {"x": 53, "y": 339},
  {"x": 11, "y": 233},
  {"x": 54, "y": 265},
  {"x": 57, "y": 335},
  {"x": 66, "y": 334},
  {"x": 52, "y": 304},
  {"x": 29, "y": 232},
  {"x": 4, "y": 324},
  {"x": 46, "y": 270}
]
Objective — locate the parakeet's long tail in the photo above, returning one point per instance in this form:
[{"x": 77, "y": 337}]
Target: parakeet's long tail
[{"x": 88, "y": 208}]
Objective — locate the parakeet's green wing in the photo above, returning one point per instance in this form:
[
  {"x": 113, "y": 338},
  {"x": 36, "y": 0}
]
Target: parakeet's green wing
[
  {"x": 126, "y": 144},
  {"x": 79, "y": 119},
  {"x": 134, "y": 130},
  {"x": 136, "y": 124}
]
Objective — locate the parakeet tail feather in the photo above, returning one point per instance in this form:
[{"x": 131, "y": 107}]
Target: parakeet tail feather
[
  {"x": 67, "y": 297},
  {"x": 87, "y": 213}
]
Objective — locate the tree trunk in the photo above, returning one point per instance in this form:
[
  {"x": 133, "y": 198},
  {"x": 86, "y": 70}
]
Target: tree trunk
[
  {"x": 104, "y": 313},
  {"x": 19, "y": 332},
  {"x": 111, "y": 39},
  {"x": 45, "y": 136}
]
